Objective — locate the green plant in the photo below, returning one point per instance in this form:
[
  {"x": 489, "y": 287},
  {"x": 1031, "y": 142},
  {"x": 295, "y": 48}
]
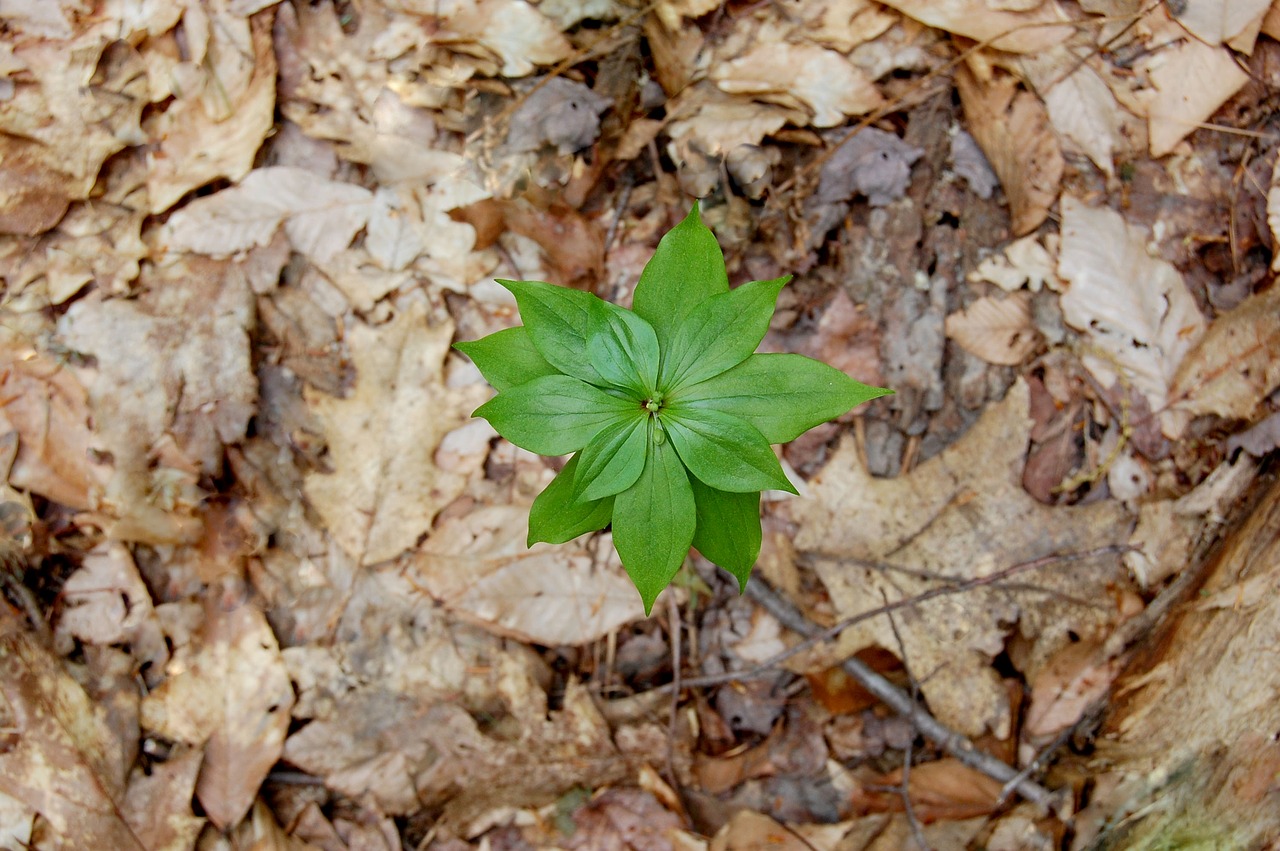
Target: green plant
[{"x": 667, "y": 407}]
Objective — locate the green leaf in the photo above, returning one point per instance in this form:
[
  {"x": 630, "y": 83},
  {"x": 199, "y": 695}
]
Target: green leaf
[
  {"x": 723, "y": 451},
  {"x": 506, "y": 358},
  {"x": 720, "y": 333},
  {"x": 653, "y": 523},
  {"x": 556, "y": 517},
  {"x": 624, "y": 350},
  {"x": 728, "y": 531},
  {"x": 614, "y": 458},
  {"x": 554, "y": 414},
  {"x": 558, "y": 321},
  {"x": 686, "y": 269},
  {"x": 782, "y": 395}
]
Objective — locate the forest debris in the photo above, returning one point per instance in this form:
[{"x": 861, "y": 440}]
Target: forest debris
[
  {"x": 1236, "y": 364},
  {"x": 1026, "y": 30},
  {"x": 1013, "y": 129},
  {"x": 1073, "y": 679},
  {"x": 105, "y": 601},
  {"x": 873, "y": 163},
  {"x": 560, "y": 112},
  {"x": 1023, "y": 262},
  {"x": 513, "y": 31},
  {"x": 749, "y": 830},
  {"x": 623, "y": 818},
  {"x": 229, "y": 693},
  {"x": 1218, "y": 21},
  {"x": 320, "y": 216},
  {"x": 221, "y": 106},
  {"x": 1259, "y": 439},
  {"x": 941, "y": 790},
  {"x": 1085, "y": 112},
  {"x": 1189, "y": 81},
  {"x": 824, "y": 81},
  {"x": 479, "y": 568},
  {"x": 157, "y": 804},
  {"x": 384, "y": 488},
  {"x": 999, "y": 331},
  {"x": 873, "y": 537},
  {"x": 712, "y": 122},
  {"x": 60, "y": 758},
  {"x": 1135, "y": 308},
  {"x": 968, "y": 162}
]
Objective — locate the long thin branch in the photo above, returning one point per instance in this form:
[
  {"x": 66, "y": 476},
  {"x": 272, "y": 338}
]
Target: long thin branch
[{"x": 900, "y": 702}]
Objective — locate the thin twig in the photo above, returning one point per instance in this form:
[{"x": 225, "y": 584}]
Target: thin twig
[
  {"x": 770, "y": 666},
  {"x": 910, "y": 811},
  {"x": 900, "y": 702}
]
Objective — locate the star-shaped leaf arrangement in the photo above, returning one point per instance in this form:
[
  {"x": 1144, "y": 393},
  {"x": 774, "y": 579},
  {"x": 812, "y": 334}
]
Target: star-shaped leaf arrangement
[{"x": 667, "y": 407}]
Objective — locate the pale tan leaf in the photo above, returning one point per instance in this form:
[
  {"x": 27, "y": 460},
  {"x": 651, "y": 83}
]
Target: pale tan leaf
[
  {"x": 1016, "y": 32},
  {"x": 1236, "y": 364},
  {"x": 1273, "y": 213},
  {"x": 967, "y": 499},
  {"x": 823, "y": 80},
  {"x": 1073, "y": 679},
  {"x": 1024, "y": 262},
  {"x": 512, "y": 30},
  {"x": 384, "y": 488},
  {"x": 105, "y": 601},
  {"x": 214, "y": 126},
  {"x": 1189, "y": 82},
  {"x": 1216, "y": 21},
  {"x": 320, "y": 216},
  {"x": 997, "y": 330},
  {"x": 1083, "y": 109},
  {"x": 157, "y": 804},
  {"x": 60, "y": 758},
  {"x": 231, "y": 693},
  {"x": 479, "y": 568},
  {"x": 1133, "y": 307},
  {"x": 1012, "y": 127}
]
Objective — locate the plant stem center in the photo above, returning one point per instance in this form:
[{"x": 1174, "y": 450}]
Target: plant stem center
[{"x": 653, "y": 405}]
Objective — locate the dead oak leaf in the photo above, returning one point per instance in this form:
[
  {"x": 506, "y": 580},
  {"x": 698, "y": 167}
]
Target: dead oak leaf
[
  {"x": 865, "y": 532},
  {"x": 230, "y": 692},
  {"x": 384, "y": 488}
]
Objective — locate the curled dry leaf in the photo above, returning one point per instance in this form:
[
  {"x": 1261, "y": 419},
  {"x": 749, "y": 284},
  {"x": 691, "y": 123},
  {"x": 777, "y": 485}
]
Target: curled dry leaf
[
  {"x": 1073, "y": 679},
  {"x": 1236, "y": 365},
  {"x": 1012, "y": 127},
  {"x": 1024, "y": 262},
  {"x": 1134, "y": 308},
  {"x": 999, "y": 331},
  {"x": 1083, "y": 109}
]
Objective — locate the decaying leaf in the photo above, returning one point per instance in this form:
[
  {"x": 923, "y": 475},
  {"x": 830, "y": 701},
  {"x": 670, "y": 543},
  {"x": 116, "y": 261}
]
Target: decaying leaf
[
  {"x": 1134, "y": 308},
  {"x": 1085, "y": 112},
  {"x": 157, "y": 804},
  {"x": 997, "y": 330},
  {"x": 1218, "y": 21},
  {"x": 822, "y": 80},
  {"x": 1024, "y": 262},
  {"x": 969, "y": 499},
  {"x": 1013, "y": 129},
  {"x": 479, "y": 568},
  {"x": 1189, "y": 81},
  {"x": 105, "y": 601},
  {"x": 60, "y": 758},
  {"x": 230, "y": 693},
  {"x": 1014, "y": 31},
  {"x": 384, "y": 488},
  {"x": 1076, "y": 677},
  {"x": 320, "y": 216}
]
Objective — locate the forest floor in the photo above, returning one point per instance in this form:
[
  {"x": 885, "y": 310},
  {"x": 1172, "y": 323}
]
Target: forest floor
[{"x": 266, "y": 580}]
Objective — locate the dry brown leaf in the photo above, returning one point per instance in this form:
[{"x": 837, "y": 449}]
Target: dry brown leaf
[
  {"x": 320, "y": 216},
  {"x": 60, "y": 758},
  {"x": 49, "y": 411},
  {"x": 384, "y": 488},
  {"x": 713, "y": 122},
  {"x": 1236, "y": 364},
  {"x": 1013, "y": 129},
  {"x": 942, "y": 790},
  {"x": 1074, "y": 678},
  {"x": 752, "y": 831},
  {"x": 1024, "y": 262},
  {"x": 1189, "y": 82},
  {"x": 230, "y": 693},
  {"x": 1018, "y": 31},
  {"x": 105, "y": 601},
  {"x": 824, "y": 81},
  {"x": 157, "y": 804},
  {"x": 967, "y": 500},
  {"x": 479, "y": 568},
  {"x": 408, "y": 754},
  {"x": 1085, "y": 112},
  {"x": 1218, "y": 21},
  {"x": 222, "y": 108},
  {"x": 1134, "y": 308},
  {"x": 997, "y": 330}
]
